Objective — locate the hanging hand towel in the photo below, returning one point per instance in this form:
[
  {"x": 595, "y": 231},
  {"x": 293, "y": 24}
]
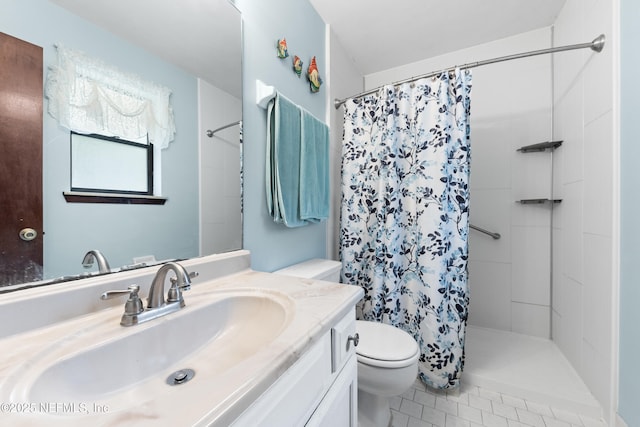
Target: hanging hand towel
[
  {"x": 270, "y": 162},
  {"x": 314, "y": 169},
  {"x": 283, "y": 161}
]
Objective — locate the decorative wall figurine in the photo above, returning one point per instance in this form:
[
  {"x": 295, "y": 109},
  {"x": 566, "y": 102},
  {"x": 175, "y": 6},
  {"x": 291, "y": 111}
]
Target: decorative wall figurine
[
  {"x": 314, "y": 76},
  {"x": 297, "y": 65},
  {"x": 282, "y": 48}
]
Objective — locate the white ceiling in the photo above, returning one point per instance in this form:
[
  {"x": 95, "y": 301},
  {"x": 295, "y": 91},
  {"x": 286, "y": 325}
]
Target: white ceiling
[
  {"x": 382, "y": 34},
  {"x": 201, "y": 36}
]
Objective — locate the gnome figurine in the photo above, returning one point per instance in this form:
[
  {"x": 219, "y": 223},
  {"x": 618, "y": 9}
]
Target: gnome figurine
[
  {"x": 314, "y": 76},
  {"x": 297, "y": 65},
  {"x": 282, "y": 48}
]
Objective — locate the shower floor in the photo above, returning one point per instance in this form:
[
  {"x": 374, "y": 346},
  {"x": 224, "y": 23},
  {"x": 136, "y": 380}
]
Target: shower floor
[{"x": 527, "y": 367}]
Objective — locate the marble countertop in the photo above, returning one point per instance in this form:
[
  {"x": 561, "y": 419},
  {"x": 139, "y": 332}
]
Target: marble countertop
[{"x": 214, "y": 397}]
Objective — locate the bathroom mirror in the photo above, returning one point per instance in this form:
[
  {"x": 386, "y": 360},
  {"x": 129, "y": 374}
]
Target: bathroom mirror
[{"x": 200, "y": 174}]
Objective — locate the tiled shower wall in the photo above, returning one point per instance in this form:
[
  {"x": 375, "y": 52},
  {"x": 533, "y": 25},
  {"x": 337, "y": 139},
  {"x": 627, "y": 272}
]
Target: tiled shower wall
[
  {"x": 220, "y": 215},
  {"x": 584, "y": 295},
  {"x": 510, "y": 108}
]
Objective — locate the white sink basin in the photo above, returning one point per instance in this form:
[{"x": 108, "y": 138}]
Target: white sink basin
[
  {"x": 71, "y": 364},
  {"x": 223, "y": 328}
]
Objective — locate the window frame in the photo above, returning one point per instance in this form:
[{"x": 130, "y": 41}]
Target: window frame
[{"x": 149, "y": 164}]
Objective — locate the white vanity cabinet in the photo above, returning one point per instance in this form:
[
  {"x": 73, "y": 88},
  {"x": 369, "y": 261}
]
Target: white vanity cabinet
[{"x": 319, "y": 389}]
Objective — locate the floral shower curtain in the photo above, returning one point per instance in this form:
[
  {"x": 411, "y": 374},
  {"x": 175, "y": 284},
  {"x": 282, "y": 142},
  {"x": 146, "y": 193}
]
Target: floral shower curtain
[{"x": 404, "y": 219}]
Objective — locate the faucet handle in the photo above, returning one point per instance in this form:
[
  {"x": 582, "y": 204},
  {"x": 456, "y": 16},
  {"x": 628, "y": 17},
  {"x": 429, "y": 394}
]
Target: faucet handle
[
  {"x": 186, "y": 286},
  {"x": 134, "y": 303},
  {"x": 133, "y": 289},
  {"x": 179, "y": 285}
]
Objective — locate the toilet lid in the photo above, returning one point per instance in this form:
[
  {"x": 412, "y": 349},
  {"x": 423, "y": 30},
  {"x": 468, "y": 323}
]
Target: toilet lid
[{"x": 379, "y": 341}]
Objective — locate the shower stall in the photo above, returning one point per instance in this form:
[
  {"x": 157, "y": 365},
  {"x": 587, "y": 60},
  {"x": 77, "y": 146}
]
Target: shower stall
[
  {"x": 530, "y": 293},
  {"x": 530, "y": 332}
]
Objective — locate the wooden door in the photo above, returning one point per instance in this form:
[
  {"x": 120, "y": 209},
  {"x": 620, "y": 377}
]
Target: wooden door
[{"x": 20, "y": 160}]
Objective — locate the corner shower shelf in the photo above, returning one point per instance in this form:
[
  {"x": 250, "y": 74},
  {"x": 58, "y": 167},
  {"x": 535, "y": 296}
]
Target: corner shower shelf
[
  {"x": 540, "y": 147},
  {"x": 538, "y": 201}
]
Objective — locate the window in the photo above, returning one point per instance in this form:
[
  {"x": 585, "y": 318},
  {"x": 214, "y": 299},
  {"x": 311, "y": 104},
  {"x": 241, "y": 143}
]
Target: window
[
  {"x": 92, "y": 99},
  {"x": 104, "y": 164}
]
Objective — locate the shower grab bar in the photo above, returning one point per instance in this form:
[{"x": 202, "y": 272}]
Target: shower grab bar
[{"x": 487, "y": 232}]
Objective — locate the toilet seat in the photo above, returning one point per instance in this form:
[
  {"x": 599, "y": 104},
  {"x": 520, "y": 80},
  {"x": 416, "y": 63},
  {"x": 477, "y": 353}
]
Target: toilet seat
[{"x": 385, "y": 346}]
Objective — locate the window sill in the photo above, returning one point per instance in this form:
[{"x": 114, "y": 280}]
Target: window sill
[{"x": 116, "y": 198}]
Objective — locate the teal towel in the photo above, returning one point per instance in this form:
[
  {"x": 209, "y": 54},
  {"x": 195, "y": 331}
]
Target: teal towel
[
  {"x": 283, "y": 161},
  {"x": 270, "y": 163},
  {"x": 314, "y": 169}
]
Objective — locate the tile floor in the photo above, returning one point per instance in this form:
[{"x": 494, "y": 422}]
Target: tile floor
[
  {"x": 473, "y": 406},
  {"x": 509, "y": 380}
]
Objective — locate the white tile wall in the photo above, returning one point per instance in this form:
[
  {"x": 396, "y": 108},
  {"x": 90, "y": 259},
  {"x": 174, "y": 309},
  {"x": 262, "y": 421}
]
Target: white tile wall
[
  {"x": 599, "y": 381},
  {"x": 571, "y": 222},
  {"x": 568, "y": 162},
  {"x": 596, "y": 318},
  {"x": 491, "y": 210},
  {"x": 496, "y": 150},
  {"x": 598, "y": 158},
  {"x": 220, "y": 216},
  {"x": 490, "y": 286},
  {"x": 598, "y": 74},
  {"x": 507, "y": 115},
  {"x": 583, "y": 262},
  {"x": 567, "y": 321},
  {"x": 532, "y": 171},
  {"x": 531, "y": 265},
  {"x": 530, "y": 319},
  {"x": 532, "y": 215}
]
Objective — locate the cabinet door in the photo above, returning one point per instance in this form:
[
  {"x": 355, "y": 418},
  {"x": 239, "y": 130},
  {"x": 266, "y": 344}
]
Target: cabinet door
[
  {"x": 339, "y": 408},
  {"x": 292, "y": 398}
]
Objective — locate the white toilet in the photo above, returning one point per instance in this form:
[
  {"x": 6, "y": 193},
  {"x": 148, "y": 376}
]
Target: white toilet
[{"x": 387, "y": 356}]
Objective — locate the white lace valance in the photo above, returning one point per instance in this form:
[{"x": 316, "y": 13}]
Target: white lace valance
[{"x": 87, "y": 95}]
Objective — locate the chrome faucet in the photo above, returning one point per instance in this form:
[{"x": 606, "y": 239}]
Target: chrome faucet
[
  {"x": 89, "y": 257},
  {"x": 182, "y": 282},
  {"x": 134, "y": 311}
]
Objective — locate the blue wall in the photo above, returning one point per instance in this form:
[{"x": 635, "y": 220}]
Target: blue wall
[
  {"x": 264, "y": 22},
  {"x": 629, "y": 377},
  {"x": 120, "y": 231}
]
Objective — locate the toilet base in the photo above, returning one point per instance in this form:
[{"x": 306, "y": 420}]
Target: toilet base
[{"x": 373, "y": 410}]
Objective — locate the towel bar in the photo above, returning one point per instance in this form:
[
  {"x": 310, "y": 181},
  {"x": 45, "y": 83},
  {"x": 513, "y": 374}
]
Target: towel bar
[{"x": 264, "y": 93}]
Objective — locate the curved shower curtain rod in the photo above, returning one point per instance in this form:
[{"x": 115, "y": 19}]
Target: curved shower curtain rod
[
  {"x": 596, "y": 45},
  {"x": 210, "y": 132}
]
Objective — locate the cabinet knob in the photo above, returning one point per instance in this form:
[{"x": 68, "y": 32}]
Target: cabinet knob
[{"x": 355, "y": 338}]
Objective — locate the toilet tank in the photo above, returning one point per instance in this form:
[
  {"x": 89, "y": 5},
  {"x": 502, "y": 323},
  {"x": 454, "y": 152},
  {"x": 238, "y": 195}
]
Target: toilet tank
[{"x": 320, "y": 269}]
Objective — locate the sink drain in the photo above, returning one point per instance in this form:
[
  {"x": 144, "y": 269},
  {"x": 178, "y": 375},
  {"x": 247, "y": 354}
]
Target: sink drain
[{"x": 180, "y": 377}]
